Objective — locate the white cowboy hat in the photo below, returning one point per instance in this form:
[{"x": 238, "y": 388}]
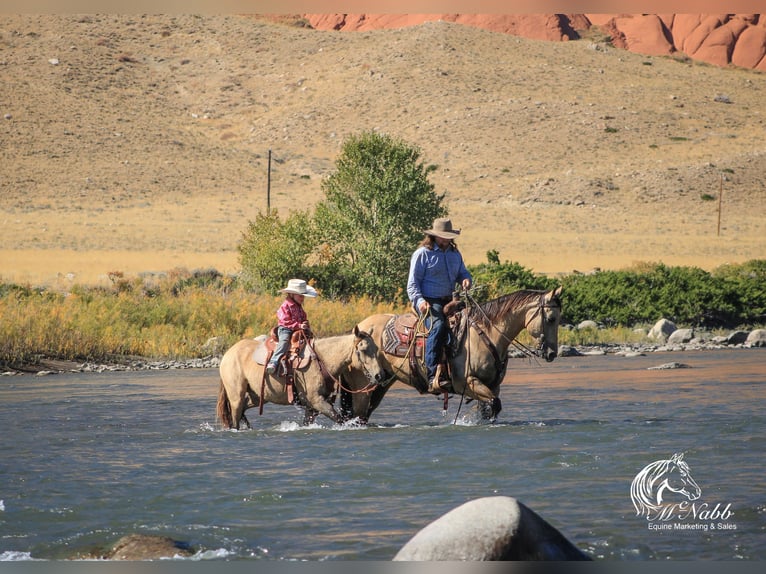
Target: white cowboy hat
[
  {"x": 442, "y": 227},
  {"x": 299, "y": 287}
]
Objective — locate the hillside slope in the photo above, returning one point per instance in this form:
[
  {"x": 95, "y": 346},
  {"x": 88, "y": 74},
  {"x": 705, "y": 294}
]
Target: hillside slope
[{"x": 140, "y": 143}]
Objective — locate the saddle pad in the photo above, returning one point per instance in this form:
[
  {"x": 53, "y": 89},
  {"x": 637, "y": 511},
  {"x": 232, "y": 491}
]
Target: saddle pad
[
  {"x": 262, "y": 350},
  {"x": 397, "y": 335}
]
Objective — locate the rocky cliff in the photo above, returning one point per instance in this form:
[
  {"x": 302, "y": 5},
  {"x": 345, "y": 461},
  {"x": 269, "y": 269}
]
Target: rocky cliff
[{"x": 719, "y": 39}]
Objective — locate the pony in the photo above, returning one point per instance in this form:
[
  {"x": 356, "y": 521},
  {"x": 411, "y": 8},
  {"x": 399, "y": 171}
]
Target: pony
[
  {"x": 243, "y": 383},
  {"x": 479, "y": 362},
  {"x": 649, "y": 486}
]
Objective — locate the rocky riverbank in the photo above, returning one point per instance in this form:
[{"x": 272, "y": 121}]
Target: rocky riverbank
[{"x": 685, "y": 341}]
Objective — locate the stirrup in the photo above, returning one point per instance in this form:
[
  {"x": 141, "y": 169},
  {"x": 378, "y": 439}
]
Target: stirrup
[{"x": 437, "y": 386}]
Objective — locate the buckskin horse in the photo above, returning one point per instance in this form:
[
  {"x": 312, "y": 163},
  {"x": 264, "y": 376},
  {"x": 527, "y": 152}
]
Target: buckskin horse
[
  {"x": 479, "y": 361},
  {"x": 244, "y": 383}
]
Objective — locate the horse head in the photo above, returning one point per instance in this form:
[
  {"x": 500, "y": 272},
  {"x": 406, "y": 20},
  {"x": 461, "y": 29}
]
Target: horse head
[
  {"x": 366, "y": 356},
  {"x": 678, "y": 479},
  {"x": 542, "y": 322},
  {"x": 649, "y": 485}
]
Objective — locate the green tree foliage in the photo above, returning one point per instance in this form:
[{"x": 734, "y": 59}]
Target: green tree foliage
[
  {"x": 272, "y": 251},
  {"x": 377, "y": 202},
  {"x": 360, "y": 237}
]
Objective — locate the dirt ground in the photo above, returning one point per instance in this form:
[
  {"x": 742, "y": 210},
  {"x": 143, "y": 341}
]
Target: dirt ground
[{"x": 140, "y": 143}]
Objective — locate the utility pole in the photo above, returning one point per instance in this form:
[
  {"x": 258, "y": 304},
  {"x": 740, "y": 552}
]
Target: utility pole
[
  {"x": 720, "y": 199},
  {"x": 268, "y": 187}
]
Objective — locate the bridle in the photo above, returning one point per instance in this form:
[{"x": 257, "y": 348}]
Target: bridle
[
  {"x": 370, "y": 378},
  {"x": 337, "y": 380},
  {"x": 554, "y": 303}
]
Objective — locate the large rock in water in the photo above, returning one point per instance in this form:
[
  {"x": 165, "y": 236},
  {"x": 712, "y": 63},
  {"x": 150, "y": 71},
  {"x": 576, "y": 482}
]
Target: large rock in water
[
  {"x": 147, "y": 547},
  {"x": 492, "y": 528}
]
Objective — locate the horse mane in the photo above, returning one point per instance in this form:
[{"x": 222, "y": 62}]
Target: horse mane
[
  {"x": 498, "y": 308},
  {"x": 642, "y": 488}
]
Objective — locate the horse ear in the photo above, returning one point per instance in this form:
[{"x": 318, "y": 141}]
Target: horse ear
[
  {"x": 553, "y": 295},
  {"x": 677, "y": 457},
  {"x": 356, "y": 331}
]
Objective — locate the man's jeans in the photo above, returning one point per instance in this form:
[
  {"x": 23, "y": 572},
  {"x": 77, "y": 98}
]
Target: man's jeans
[{"x": 436, "y": 323}]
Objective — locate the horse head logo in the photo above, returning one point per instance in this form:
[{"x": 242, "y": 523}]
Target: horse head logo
[{"x": 658, "y": 479}]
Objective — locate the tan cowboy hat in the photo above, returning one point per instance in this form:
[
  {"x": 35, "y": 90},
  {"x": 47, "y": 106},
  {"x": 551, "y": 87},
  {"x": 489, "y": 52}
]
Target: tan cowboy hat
[
  {"x": 299, "y": 287},
  {"x": 442, "y": 227}
]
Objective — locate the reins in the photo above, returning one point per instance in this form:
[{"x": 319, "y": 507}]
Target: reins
[
  {"x": 500, "y": 364},
  {"x": 337, "y": 382},
  {"x": 530, "y": 353}
]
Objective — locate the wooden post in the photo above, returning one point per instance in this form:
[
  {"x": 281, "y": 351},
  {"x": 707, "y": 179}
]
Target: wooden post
[
  {"x": 720, "y": 198},
  {"x": 268, "y": 187}
]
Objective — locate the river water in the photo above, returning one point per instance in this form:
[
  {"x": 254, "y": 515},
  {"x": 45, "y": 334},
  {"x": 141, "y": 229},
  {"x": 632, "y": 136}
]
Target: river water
[{"x": 88, "y": 458}]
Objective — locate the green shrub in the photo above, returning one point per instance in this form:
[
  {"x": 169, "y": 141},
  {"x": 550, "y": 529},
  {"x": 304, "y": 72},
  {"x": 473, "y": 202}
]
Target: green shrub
[{"x": 493, "y": 278}]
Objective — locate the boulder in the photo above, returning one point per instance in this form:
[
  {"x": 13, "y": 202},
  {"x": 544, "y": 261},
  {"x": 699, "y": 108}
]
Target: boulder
[
  {"x": 737, "y": 337},
  {"x": 147, "y": 547},
  {"x": 681, "y": 336},
  {"x": 662, "y": 330},
  {"x": 669, "y": 366},
  {"x": 756, "y": 338},
  {"x": 568, "y": 351},
  {"x": 491, "y": 528},
  {"x": 587, "y": 325}
]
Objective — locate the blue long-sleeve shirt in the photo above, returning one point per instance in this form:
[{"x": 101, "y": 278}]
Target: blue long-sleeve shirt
[{"x": 433, "y": 273}]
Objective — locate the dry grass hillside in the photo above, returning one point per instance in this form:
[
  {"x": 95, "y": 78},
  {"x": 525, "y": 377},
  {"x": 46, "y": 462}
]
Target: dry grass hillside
[{"x": 140, "y": 143}]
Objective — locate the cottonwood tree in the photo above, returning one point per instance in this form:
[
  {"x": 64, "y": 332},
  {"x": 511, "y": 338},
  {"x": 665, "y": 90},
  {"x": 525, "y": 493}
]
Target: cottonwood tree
[
  {"x": 377, "y": 203},
  {"x": 360, "y": 237}
]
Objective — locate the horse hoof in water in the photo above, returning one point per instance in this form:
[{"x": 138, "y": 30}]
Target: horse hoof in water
[{"x": 490, "y": 409}]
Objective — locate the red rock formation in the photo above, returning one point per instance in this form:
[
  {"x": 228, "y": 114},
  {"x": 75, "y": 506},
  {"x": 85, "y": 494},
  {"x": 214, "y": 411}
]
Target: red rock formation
[
  {"x": 718, "y": 46},
  {"x": 750, "y": 48},
  {"x": 719, "y": 39},
  {"x": 556, "y": 27},
  {"x": 645, "y": 34}
]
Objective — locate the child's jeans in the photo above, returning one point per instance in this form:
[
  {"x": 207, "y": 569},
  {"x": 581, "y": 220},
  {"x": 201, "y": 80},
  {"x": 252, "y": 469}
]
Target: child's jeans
[{"x": 284, "y": 335}]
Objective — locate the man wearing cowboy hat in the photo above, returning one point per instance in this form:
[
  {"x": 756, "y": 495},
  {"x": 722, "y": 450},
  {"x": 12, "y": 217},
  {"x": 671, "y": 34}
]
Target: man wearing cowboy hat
[
  {"x": 436, "y": 266},
  {"x": 290, "y": 317}
]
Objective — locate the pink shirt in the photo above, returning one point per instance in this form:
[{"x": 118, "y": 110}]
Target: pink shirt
[{"x": 290, "y": 314}]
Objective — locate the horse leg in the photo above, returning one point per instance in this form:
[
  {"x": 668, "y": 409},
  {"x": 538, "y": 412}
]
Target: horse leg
[
  {"x": 223, "y": 408},
  {"x": 490, "y": 409},
  {"x": 309, "y": 416},
  {"x": 346, "y": 404},
  {"x": 490, "y": 405},
  {"x": 322, "y": 405},
  {"x": 375, "y": 397},
  {"x": 238, "y": 412}
]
